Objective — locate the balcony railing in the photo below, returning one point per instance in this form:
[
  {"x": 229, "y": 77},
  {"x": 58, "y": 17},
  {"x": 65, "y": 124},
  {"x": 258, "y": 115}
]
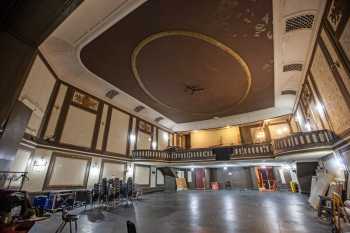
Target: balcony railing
[
  {"x": 297, "y": 141},
  {"x": 304, "y": 140}
]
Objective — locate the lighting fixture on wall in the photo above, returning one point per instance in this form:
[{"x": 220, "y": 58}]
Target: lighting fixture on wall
[
  {"x": 260, "y": 135},
  {"x": 41, "y": 162},
  {"x": 154, "y": 145},
  {"x": 192, "y": 168},
  {"x": 132, "y": 138},
  {"x": 263, "y": 166},
  {"x": 339, "y": 162},
  {"x": 308, "y": 126},
  {"x": 319, "y": 108},
  {"x": 230, "y": 173},
  {"x": 165, "y": 136},
  {"x": 225, "y": 168}
]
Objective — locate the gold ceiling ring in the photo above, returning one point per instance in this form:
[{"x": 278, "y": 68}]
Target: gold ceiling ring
[{"x": 201, "y": 37}]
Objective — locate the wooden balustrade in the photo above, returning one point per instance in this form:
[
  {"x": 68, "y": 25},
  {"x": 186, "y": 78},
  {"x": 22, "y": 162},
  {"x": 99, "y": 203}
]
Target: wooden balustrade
[
  {"x": 304, "y": 140},
  {"x": 297, "y": 141}
]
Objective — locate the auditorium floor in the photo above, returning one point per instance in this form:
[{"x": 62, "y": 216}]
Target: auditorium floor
[{"x": 202, "y": 212}]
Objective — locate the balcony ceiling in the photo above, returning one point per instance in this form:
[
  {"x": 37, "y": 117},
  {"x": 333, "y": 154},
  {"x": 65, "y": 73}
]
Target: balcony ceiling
[{"x": 190, "y": 60}]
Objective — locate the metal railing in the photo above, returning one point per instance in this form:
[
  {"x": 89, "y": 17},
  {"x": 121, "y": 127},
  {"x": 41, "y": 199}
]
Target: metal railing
[
  {"x": 13, "y": 180},
  {"x": 297, "y": 141}
]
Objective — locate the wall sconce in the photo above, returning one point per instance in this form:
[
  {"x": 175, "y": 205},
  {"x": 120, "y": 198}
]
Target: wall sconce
[
  {"x": 192, "y": 168},
  {"x": 308, "y": 126},
  {"x": 154, "y": 145},
  {"x": 225, "y": 168},
  {"x": 260, "y": 135},
  {"x": 319, "y": 108},
  {"x": 39, "y": 162},
  {"x": 132, "y": 138},
  {"x": 165, "y": 137}
]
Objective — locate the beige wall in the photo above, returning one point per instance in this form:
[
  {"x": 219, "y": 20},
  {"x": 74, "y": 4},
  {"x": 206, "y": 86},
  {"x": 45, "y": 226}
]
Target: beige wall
[
  {"x": 36, "y": 94},
  {"x": 163, "y": 139},
  {"x": 279, "y": 130},
  {"x": 79, "y": 127},
  {"x": 332, "y": 97},
  {"x": 160, "y": 177},
  {"x": 113, "y": 170},
  {"x": 142, "y": 175},
  {"x": 68, "y": 172},
  {"x": 118, "y": 132},
  {"x": 143, "y": 141},
  {"x": 56, "y": 111},
  {"x": 208, "y": 138}
]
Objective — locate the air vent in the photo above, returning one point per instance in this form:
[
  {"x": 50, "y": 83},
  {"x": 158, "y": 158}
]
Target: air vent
[
  {"x": 299, "y": 22},
  {"x": 158, "y": 119},
  {"x": 293, "y": 67},
  {"x": 139, "y": 108},
  {"x": 111, "y": 94},
  {"x": 288, "y": 92}
]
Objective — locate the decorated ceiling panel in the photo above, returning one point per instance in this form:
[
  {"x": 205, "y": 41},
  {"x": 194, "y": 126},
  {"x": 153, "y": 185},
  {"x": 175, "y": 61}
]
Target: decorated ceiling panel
[{"x": 190, "y": 60}]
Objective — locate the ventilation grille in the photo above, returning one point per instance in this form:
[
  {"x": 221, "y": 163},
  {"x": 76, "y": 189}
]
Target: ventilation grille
[
  {"x": 288, "y": 92},
  {"x": 139, "y": 108},
  {"x": 293, "y": 67},
  {"x": 299, "y": 22},
  {"x": 111, "y": 94},
  {"x": 158, "y": 119}
]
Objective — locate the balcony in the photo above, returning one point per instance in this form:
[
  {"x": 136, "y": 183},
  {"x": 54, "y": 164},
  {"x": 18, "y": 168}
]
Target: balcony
[{"x": 302, "y": 141}]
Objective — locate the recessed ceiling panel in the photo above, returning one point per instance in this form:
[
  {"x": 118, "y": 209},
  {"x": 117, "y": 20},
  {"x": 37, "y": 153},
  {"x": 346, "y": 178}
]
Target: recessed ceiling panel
[{"x": 190, "y": 60}]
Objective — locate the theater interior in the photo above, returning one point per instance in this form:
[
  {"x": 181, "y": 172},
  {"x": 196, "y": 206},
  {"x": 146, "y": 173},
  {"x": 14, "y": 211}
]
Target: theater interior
[{"x": 150, "y": 116}]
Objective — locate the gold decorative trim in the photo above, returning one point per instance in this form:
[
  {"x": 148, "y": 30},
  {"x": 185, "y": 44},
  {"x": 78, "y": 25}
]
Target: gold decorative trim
[{"x": 201, "y": 37}]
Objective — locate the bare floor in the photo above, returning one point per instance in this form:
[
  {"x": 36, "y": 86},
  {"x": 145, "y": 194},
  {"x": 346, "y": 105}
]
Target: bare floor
[{"x": 202, "y": 212}]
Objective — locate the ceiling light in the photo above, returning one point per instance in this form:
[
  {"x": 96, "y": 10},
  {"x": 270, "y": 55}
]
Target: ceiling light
[
  {"x": 227, "y": 127},
  {"x": 216, "y": 117}
]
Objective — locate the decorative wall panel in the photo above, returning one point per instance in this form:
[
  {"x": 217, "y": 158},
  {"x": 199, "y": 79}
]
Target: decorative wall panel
[
  {"x": 163, "y": 139},
  {"x": 331, "y": 95},
  {"x": 208, "y": 138},
  {"x": 160, "y": 177},
  {"x": 79, "y": 127},
  {"x": 36, "y": 93},
  {"x": 142, "y": 175},
  {"x": 55, "y": 113},
  {"x": 102, "y": 127},
  {"x": 118, "y": 132},
  {"x": 345, "y": 39},
  {"x": 85, "y": 101},
  {"x": 112, "y": 170},
  {"x": 67, "y": 171},
  {"x": 338, "y": 65},
  {"x": 144, "y": 141}
]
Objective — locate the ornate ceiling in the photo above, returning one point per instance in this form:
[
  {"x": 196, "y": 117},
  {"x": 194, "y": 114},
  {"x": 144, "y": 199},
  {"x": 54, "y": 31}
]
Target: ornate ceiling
[{"x": 190, "y": 60}]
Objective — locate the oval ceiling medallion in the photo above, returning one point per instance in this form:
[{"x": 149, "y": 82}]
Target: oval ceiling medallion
[{"x": 235, "y": 81}]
